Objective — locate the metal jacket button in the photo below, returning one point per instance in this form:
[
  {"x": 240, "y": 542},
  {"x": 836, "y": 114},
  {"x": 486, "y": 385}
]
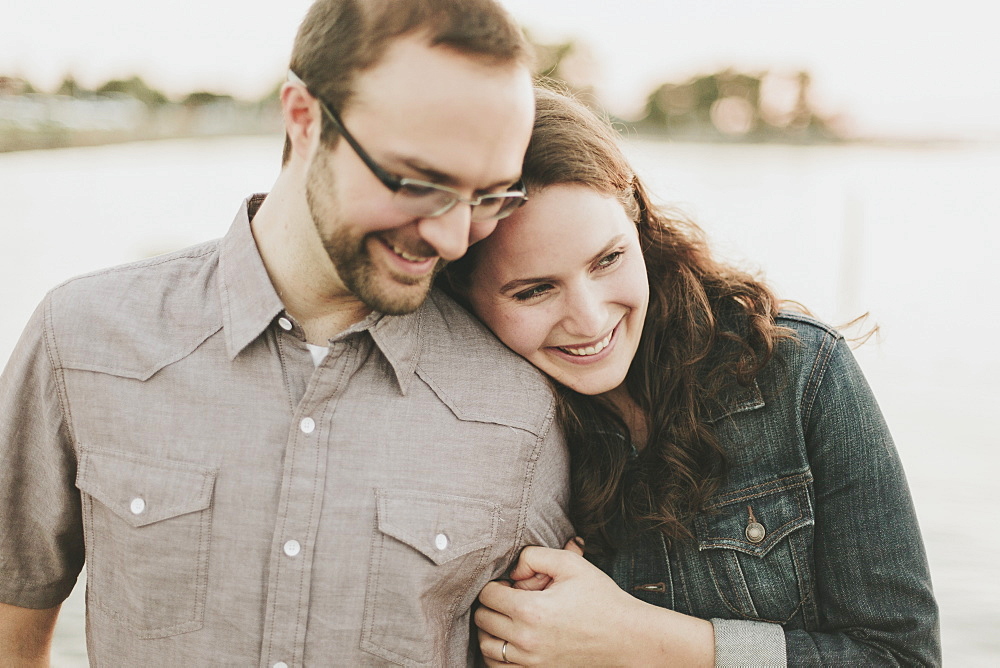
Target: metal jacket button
[{"x": 755, "y": 531}]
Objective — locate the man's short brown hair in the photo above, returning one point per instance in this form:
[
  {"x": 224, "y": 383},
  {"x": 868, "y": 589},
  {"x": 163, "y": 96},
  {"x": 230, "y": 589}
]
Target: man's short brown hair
[{"x": 340, "y": 38}]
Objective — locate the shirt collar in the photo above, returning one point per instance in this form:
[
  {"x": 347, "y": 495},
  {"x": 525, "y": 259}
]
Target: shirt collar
[
  {"x": 249, "y": 301},
  {"x": 398, "y": 337},
  {"x": 250, "y": 304}
]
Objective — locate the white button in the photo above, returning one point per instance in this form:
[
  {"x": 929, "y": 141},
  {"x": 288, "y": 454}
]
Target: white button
[
  {"x": 292, "y": 548},
  {"x": 441, "y": 541},
  {"x": 308, "y": 425},
  {"x": 137, "y": 506},
  {"x": 281, "y": 664},
  {"x": 285, "y": 324}
]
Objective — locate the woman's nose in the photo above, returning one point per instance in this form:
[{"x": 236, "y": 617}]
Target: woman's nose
[{"x": 587, "y": 314}]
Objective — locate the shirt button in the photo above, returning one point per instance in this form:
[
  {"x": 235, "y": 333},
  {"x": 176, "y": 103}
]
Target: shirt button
[
  {"x": 137, "y": 506},
  {"x": 441, "y": 541},
  {"x": 308, "y": 425},
  {"x": 292, "y": 548},
  {"x": 285, "y": 324},
  {"x": 281, "y": 664}
]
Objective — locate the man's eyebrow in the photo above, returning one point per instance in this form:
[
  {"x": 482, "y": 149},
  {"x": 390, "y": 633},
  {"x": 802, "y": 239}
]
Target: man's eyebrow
[
  {"x": 519, "y": 282},
  {"x": 450, "y": 180}
]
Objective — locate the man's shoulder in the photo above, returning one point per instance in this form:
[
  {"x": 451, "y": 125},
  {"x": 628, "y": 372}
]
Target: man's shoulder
[
  {"x": 120, "y": 318},
  {"x": 478, "y": 376}
]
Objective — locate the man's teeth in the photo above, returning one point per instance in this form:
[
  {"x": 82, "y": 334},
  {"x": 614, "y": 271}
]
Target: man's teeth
[
  {"x": 589, "y": 350},
  {"x": 406, "y": 256}
]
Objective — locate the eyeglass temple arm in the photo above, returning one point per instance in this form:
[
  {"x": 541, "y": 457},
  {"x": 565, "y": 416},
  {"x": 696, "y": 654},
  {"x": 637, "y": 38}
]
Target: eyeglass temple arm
[{"x": 390, "y": 181}]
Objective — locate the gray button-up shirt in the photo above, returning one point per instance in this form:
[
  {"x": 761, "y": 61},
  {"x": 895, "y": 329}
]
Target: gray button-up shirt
[{"x": 237, "y": 505}]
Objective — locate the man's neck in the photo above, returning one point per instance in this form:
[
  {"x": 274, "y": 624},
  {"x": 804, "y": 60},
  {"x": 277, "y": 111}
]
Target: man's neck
[{"x": 305, "y": 282}]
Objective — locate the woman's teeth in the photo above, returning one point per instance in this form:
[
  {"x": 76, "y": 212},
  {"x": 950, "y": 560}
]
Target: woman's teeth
[{"x": 589, "y": 350}]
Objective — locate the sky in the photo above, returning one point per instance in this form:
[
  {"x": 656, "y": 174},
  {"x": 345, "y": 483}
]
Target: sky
[{"x": 895, "y": 68}]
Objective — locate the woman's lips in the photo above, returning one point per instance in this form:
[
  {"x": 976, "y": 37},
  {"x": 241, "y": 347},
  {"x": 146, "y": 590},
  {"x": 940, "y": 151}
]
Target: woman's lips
[{"x": 589, "y": 353}]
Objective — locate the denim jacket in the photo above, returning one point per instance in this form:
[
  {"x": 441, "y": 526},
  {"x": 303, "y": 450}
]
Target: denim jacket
[{"x": 810, "y": 553}]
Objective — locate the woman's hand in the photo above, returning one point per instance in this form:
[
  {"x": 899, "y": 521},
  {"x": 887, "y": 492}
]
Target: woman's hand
[{"x": 581, "y": 617}]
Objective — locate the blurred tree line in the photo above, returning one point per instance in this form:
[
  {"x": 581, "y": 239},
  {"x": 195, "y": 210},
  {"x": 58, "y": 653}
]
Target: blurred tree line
[{"x": 728, "y": 105}]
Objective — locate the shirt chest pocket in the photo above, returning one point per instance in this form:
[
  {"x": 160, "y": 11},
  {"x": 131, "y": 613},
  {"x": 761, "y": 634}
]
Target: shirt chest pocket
[
  {"x": 147, "y": 523},
  {"x": 758, "y": 548},
  {"x": 429, "y": 552}
]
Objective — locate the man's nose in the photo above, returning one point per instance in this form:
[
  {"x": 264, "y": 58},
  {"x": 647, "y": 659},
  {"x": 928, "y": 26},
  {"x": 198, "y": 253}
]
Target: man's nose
[{"x": 449, "y": 232}]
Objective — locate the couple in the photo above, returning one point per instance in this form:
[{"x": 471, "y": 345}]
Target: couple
[{"x": 282, "y": 448}]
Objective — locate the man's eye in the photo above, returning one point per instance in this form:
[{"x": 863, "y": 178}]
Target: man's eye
[
  {"x": 532, "y": 293},
  {"x": 416, "y": 190}
]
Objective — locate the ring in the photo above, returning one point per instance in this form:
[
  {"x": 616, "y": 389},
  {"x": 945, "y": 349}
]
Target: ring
[{"x": 503, "y": 652}]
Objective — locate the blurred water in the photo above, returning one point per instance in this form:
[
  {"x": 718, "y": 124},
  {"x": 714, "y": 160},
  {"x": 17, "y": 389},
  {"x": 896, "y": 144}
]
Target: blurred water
[{"x": 906, "y": 234}]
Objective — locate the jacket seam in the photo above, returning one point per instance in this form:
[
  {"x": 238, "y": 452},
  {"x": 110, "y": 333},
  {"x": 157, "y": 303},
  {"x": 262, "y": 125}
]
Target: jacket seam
[{"x": 816, "y": 375}]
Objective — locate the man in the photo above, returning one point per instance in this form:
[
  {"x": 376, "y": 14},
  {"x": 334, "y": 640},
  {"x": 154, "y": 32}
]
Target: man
[{"x": 270, "y": 449}]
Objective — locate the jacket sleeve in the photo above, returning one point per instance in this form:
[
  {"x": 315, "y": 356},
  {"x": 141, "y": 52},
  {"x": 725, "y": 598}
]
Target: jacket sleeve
[
  {"x": 41, "y": 534},
  {"x": 874, "y": 599}
]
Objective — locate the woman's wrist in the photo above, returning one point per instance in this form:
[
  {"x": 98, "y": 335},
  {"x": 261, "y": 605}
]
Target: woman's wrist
[{"x": 663, "y": 637}]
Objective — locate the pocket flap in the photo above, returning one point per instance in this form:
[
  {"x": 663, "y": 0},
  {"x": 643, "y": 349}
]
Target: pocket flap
[
  {"x": 439, "y": 526},
  {"x": 779, "y": 508},
  {"x": 142, "y": 490}
]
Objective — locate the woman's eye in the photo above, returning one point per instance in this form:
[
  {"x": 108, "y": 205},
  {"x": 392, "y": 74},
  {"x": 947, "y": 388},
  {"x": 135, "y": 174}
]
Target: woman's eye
[
  {"x": 531, "y": 293},
  {"x": 609, "y": 259}
]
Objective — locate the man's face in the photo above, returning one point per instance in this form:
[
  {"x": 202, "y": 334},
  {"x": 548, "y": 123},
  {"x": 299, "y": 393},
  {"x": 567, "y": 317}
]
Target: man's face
[{"x": 424, "y": 113}]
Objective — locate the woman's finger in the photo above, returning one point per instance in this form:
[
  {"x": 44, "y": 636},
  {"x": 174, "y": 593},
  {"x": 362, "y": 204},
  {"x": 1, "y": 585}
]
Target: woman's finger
[
  {"x": 494, "y": 649},
  {"x": 493, "y": 622},
  {"x": 497, "y": 595},
  {"x": 537, "y": 582},
  {"x": 574, "y": 545},
  {"x": 534, "y": 560}
]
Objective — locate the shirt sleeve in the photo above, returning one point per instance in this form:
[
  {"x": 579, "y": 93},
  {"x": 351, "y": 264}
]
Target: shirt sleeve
[
  {"x": 548, "y": 511},
  {"x": 874, "y": 598},
  {"x": 740, "y": 643},
  {"x": 41, "y": 534}
]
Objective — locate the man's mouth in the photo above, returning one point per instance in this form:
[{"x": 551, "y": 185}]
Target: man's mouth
[
  {"x": 409, "y": 257},
  {"x": 587, "y": 351}
]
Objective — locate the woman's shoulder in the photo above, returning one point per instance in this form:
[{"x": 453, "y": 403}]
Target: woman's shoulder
[{"x": 805, "y": 325}]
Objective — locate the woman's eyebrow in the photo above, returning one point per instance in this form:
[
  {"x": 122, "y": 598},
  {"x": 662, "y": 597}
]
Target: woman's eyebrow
[{"x": 519, "y": 282}]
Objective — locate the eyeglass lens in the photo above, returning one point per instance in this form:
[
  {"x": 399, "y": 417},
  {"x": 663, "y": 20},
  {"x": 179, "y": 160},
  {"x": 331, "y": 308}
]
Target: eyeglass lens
[{"x": 425, "y": 201}]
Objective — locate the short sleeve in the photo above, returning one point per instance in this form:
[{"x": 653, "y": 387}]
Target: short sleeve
[
  {"x": 548, "y": 521},
  {"x": 41, "y": 534}
]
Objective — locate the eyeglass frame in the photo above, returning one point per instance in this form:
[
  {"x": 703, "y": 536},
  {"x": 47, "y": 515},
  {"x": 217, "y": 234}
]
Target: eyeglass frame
[{"x": 396, "y": 183}]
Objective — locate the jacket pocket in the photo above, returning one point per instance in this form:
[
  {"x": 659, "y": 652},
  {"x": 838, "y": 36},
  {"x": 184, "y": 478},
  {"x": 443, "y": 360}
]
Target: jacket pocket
[
  {"x": 428, "y": 554},
  {"x": 758, "y": 546},
  {"x": 148, "y": 527}
]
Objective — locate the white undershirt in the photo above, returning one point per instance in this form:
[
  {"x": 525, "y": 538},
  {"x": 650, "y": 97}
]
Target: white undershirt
[{"x": 318, "y": 353}]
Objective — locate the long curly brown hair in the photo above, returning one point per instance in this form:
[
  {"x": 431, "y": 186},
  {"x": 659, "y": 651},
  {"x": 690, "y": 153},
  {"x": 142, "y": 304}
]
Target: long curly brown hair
[{"x": 708, "y": 326}]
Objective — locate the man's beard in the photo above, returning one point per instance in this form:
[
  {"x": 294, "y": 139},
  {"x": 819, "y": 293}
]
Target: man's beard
[{"x": 395, "y": 295}]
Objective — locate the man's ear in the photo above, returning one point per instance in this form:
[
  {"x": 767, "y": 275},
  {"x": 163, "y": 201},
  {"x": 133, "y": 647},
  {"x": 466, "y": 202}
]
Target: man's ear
[{"x": 303, "y": 119}]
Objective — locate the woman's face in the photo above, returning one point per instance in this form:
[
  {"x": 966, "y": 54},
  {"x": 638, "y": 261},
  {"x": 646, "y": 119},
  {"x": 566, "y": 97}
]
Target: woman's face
[{"x": 563, "y": 283}]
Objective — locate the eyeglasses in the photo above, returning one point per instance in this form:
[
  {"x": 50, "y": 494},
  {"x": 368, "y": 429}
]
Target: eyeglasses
[{"x": 423, "y": 198}]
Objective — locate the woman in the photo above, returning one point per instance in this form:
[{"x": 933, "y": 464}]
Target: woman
[{"x": 732, "y": 476}]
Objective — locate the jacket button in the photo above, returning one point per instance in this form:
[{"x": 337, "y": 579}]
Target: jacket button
[{"x": 755, "y": 532}]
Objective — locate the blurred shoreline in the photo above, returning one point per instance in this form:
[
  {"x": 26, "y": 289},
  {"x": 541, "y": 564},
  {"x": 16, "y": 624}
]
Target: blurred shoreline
[{"x": 43, "y": 122}]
